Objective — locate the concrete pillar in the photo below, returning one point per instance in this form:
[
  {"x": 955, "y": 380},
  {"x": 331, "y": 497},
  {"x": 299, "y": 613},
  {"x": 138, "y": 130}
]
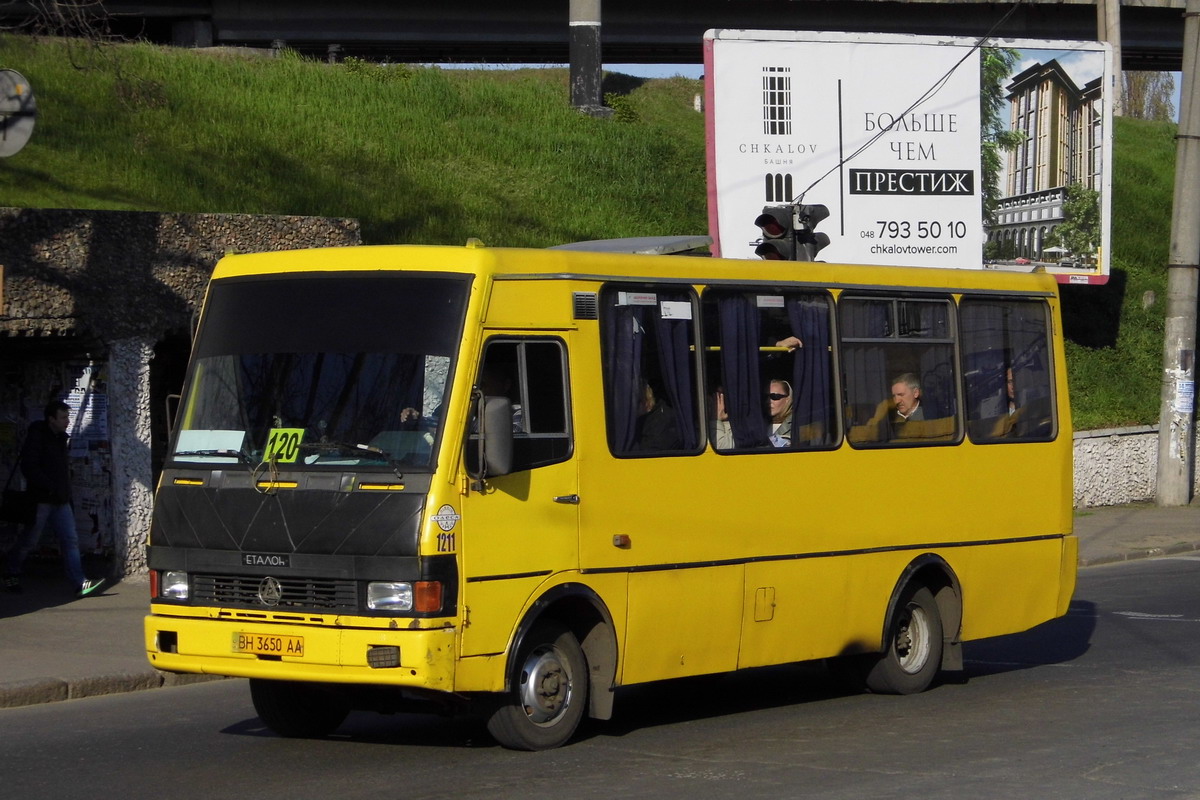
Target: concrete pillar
[
  {"x": 1177, "y": 412},
  {"x": 586, "y": 61},
  {"x": 1108, "y": 29},
  {"x": 129, "y": 432},
  {"x": 192, "y": 33}
]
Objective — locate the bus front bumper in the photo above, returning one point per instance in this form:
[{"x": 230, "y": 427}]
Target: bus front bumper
[{"x": 417, "y": 658}]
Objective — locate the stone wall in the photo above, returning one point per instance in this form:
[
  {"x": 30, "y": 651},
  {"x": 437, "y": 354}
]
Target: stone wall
[
  {"x": 1119, "y": 465},
  {"x": 113, "y": 275}
]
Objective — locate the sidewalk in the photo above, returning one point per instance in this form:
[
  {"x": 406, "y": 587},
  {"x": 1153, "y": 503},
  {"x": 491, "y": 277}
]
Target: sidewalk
[{"x": 53, "y": 647}]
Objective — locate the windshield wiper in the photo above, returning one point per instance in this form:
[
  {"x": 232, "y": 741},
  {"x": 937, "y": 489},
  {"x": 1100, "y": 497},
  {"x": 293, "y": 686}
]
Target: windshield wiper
[
  {"x": 364, "y": 450},
  {"x": 357, "y": 450},
  {"x": 238, "y": 454}
]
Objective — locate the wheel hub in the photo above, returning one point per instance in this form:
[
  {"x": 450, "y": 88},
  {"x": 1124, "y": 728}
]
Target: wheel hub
[
  {"x": 912, "y": 641},
  {"x": 545, "y": 686}
]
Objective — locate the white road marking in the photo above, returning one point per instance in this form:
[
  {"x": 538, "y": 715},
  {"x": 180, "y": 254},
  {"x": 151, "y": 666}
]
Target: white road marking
[{"x": 1155, "y": 617}]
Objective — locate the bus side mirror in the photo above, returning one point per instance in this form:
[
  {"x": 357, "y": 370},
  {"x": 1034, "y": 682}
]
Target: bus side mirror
[
  {"x": 497, "y": 436},
  {"x": 495, "y": 439}
]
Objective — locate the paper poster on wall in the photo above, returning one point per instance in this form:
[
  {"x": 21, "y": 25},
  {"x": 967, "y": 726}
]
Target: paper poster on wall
[{"x": 91, "y": 458}]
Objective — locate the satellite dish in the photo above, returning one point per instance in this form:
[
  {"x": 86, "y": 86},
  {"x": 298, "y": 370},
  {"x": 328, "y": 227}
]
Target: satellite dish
[{"x": 18, "y": 110}]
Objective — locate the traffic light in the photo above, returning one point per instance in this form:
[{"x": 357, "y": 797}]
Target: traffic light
[
  {"x": 787, "y": 232},
  {"x": 778, "y": 238},
  {"x": 808, "y": 241}
]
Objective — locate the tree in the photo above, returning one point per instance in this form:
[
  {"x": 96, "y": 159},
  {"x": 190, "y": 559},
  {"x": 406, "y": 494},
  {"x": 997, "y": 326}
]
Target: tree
[
  {"x": 1080, "y": 228},
  {"x": 83, "y": 19},
  {"x": 1147, "y": 95},
  {"x": 995, "y": 67}
]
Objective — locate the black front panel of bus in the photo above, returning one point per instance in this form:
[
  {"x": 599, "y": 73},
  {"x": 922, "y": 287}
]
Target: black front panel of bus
[{"x": 285, "y": 522}]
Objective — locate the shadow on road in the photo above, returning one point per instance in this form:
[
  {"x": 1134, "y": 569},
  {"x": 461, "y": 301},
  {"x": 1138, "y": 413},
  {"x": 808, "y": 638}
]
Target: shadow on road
[
  {"x": 44, "y": 586},
  {"x": 689, "y": 699},
  {"x": 1054, "y": 642}
]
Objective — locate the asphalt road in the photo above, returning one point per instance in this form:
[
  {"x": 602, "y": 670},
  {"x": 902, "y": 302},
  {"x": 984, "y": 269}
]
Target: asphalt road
[{"x": 1100, "y": 704}]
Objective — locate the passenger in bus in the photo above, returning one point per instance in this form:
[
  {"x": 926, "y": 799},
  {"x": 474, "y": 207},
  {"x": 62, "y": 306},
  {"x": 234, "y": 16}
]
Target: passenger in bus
[
  {"x": 906, "y": 398},
  {"x": 657, "y": 428},
  {"x": 722, "y": 430},
  {"x": 792, "y": 343},
  {"x": 779, "y": 399},
  {"x": 493, "y": 382},
  {"x": 1031, "y": 417},
  {"x": 997, "y": 405}
]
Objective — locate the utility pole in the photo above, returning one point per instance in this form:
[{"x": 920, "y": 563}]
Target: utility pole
[
  {"x": 1108, "y": 29},
  {"x": 1176, "y": 428}
]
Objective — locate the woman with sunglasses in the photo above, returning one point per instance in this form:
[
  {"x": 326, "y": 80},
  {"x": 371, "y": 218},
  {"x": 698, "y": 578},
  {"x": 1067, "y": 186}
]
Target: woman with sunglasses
[{"x": 779, "y": 397}]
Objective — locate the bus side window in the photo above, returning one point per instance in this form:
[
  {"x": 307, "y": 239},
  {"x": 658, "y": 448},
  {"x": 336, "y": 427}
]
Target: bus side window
[
  {"x": 769, "y": 353},
  {"x": 1009, "y": 375},
  {"x": 532, "y": 374},
  {"x": 651, "y": 397},
  {"x": 899, "y": 372}
]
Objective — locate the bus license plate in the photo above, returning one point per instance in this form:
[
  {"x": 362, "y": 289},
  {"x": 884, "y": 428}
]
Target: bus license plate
[{"x": 268, "y": 644}]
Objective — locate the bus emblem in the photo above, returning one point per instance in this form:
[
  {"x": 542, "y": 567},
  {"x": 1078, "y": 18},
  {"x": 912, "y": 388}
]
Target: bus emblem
[
  {"x": 446, "y": 518},
  {"x": 270, "y": 592}
]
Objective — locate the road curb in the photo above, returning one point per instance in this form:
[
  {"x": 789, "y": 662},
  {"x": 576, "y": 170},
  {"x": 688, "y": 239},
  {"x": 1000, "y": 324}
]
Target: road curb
[
  {"x": 1135, "y": 555},
  {"x": 15, "y": 694}
]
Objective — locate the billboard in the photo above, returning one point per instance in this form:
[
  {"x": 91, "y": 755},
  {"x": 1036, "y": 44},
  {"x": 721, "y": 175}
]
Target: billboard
[{"x": 889, "y": 133}]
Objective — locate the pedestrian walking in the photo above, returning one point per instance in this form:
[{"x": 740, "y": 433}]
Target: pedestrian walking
[{"x": 48, "y": 482}]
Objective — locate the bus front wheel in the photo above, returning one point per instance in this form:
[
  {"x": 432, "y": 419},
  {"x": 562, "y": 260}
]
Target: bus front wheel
[
  {"x": 913, "y": 653},
  {"x": 297, "y": 710},
  {"x": 548, "y": 694}
]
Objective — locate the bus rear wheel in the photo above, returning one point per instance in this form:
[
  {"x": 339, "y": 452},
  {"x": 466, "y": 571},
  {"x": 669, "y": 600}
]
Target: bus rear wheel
[
  {"x": 913, "y": 653},
  {"x": 548, "y": 694},
  {"x": 297, "y": 710}
]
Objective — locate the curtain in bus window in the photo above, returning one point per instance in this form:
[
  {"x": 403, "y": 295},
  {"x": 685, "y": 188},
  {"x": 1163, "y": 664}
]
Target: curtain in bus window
[
  {"x": 740, "y": 334},
  {"x": 643, "y": 346},
  {"x": 811, "y": 372},
  {"x": 623, "y": 339},
  {"x": 865, "y": 365},
  {"x": 676, "y": 362},
  {"x": 983, "y": 352}
]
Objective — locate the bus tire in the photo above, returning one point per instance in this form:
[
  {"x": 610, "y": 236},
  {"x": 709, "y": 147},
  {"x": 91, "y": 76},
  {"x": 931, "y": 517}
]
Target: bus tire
[
  {"x": 548, "y": 693},
  {"x": 297, "y": 710},
  {"x": 913, "y": 646}
]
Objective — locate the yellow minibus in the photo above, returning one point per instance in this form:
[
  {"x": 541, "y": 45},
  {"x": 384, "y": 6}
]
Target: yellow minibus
[{"x": 512, "y": 481}]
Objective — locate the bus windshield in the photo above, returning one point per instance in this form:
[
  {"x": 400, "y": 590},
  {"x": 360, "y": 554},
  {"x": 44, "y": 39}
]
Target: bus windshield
[{"x": 310, "y": 372}]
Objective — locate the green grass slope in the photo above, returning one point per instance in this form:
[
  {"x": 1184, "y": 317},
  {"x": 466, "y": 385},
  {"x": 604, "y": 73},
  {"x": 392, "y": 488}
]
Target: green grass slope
[
  {"x": 417, "y": 154},
  {"x": 424, "y": 155},
  {"x": 1115, "y": 332}
]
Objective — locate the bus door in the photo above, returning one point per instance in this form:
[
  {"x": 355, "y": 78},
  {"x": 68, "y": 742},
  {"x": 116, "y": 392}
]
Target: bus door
[{"x": 522, "y": 527}]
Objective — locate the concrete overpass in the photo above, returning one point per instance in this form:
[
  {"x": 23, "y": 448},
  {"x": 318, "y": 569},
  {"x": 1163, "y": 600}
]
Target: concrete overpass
[{"x": 633, "y": 31}]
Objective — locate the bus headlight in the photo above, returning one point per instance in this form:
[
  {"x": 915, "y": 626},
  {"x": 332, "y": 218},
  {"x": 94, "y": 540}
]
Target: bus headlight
[
  {"x": 174, "y": 585},
  {"x": 389, "y": 596},
  {"x": 420, "y": 596}
]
